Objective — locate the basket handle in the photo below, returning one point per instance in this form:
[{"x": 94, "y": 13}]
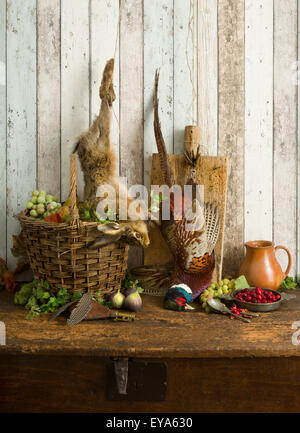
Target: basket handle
[{"x": 74, "y": 215}]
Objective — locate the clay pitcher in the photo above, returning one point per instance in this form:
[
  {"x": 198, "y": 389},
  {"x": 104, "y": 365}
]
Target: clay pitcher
[{"x": 260, "y": 266}]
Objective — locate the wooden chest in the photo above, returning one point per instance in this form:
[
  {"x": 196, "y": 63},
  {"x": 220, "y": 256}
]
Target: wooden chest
[{"x": 177, "y": 362}]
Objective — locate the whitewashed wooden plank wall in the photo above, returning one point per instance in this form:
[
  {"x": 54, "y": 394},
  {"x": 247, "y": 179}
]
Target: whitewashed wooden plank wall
[
  {"x": 297, "y": 82},
  {"x": 21, "y": 109},
  {"x": 258, "y": 119},
  {"x": 231, "y": 92},
  {"x": 242, "y": 56},
  {"x": 285, "y": 129},
  {"x": 158, "y": 53},
  {"x": 132, "y": 101},
  {"x": 104, "y": 16},
  {"x": 48, "y": 96},
  {"x": 208, "y": 75},
  {"x": 2, "y": 129},
  {"x": 75, "y": 79}
]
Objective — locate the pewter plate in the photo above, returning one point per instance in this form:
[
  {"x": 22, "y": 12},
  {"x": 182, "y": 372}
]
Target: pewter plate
[{"x": 258, "y": 307}]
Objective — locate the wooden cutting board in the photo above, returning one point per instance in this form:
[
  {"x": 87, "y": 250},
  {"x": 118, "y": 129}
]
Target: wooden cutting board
[{"x": 211, "y": 171}]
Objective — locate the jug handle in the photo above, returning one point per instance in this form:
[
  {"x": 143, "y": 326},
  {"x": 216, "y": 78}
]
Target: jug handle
[{"x": 280, "y": 247}]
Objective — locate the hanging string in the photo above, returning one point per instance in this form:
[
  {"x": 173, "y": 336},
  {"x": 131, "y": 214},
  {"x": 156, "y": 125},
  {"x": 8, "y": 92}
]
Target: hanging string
[
  {"x": 191, "y": 67},
  {"x": 115, "y": 51}
]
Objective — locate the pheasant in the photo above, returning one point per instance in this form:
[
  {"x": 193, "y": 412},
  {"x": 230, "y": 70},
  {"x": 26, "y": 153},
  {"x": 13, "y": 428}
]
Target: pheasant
[{"x": 193, "y": 246}]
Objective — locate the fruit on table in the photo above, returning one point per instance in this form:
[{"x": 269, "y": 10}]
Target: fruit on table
[
  {"x": 223, "y": 287},
  {"x": 257, "y": 296},
  {"x": 236, "y": 310}
]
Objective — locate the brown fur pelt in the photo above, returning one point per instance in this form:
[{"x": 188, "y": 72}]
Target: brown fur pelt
[{"x": 98, "y": 161}]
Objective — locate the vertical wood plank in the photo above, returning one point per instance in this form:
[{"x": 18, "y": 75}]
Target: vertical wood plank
[
  {"x": 21, "y": 110},
  {"x": 184, "y": 105},
  {"x": 131, "y": 101},
  {"x": 285, "y": 129},
  {"x": 74, "y": 83},
  {"x": 158, "y": 53},
  {"x": 48, "y": 95},
  {"x": 104, "y": 22},
  {"x": 231, "y": 125},
  {"x": 258, "y": 119},
  {"x": 208, "y": 76},
  {"x": 3, "y": 130},
  {"x": 298, "y": 153}
]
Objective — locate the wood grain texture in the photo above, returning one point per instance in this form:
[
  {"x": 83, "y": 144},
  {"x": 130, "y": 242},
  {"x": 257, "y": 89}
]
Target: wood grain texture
[
  {"x": 21, "y": 111},
  {"x": 156, "y": 333},
  {"x": 210, "y": 172},
  {"x": 208, "y": 76},
  {"x": 103, "y": 21},
  {"x": 185, "y": 108},
  {"x": 46, "y": 384},
  {"x": 258, "y": 119},
  {"x": 158, "y": 53},
  {"x": 285, "y": 130},
  {"x": 298, "y": 149},
  {"x": 48, "y": 95},
  {"x": 3, "y": 129},
  {"x": 231, "y": 125},
  {"x": 74, "y": 83},
  {"x": 131, "y": 102}
]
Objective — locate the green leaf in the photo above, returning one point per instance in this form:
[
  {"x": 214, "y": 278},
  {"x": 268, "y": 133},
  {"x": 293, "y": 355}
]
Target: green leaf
[
  {"x": 76, "y": 296},
  {"x": 288, "y": 284}
]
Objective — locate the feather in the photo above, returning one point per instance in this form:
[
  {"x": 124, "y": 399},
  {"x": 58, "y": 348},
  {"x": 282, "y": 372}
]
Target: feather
[
  {"x": 161, "y": 147},
  {"x": 61, "y": 310},
  {"x": 81, "y": 310},
  {"x": 212, "y": 221}
]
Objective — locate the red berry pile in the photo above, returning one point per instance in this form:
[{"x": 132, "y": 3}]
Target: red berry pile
[
  {"x": 257, "y": 296},
  {"x": 236, "y": 310}
]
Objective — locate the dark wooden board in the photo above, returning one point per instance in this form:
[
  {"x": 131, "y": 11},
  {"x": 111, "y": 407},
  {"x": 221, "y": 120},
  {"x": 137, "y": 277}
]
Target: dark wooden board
[
  {"x": 77, "y": 384},
  {"x": 157, "y": 333}
]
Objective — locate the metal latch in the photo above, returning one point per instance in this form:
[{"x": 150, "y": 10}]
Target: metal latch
[
  {"x": 121, "y": 374},
  {"x": 136, "y": 380}
]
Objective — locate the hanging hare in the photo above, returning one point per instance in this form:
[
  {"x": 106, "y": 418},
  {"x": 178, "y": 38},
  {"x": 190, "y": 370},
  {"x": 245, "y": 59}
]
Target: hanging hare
[{"x": 98, "y": 163}]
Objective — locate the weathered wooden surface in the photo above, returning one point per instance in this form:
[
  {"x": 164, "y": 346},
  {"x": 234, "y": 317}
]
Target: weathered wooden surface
[
  {"x": 297, "y": 70},
  {"x": 231, "y": 125},
  {"x": 185, "y": 106},
  {"x": 285, "y": 129},
  {"x": 258, "y": 119},
  {"x": 3, "y": 129},
  {"x": 156, "y": 333},
  {"x": 104, "y": 15},
  {"x": 48, "y": 96},
  {"x": 78, "y": 384},
  {"x": 86, "y": 31},
  {"x": 212, "y": 173},
  {"x": 158, "y": 53},
  {"x": 21, "y": 111},
  {"x": 74, "y": 83},
  {"x": 208, "y": 76},
  {"x": 131, "y": 102}
]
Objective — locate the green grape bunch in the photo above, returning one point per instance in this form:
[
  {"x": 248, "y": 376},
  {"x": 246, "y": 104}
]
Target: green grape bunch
[
  {"x": 223, "y": 287},
  {"x": 42, "y": 204}
]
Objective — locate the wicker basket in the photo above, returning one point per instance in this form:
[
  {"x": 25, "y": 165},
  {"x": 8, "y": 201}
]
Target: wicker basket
[{"x": 58, "y": 252}]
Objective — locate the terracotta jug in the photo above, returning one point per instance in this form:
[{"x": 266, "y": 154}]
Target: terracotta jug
[{"x": 260, "y": 266}]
